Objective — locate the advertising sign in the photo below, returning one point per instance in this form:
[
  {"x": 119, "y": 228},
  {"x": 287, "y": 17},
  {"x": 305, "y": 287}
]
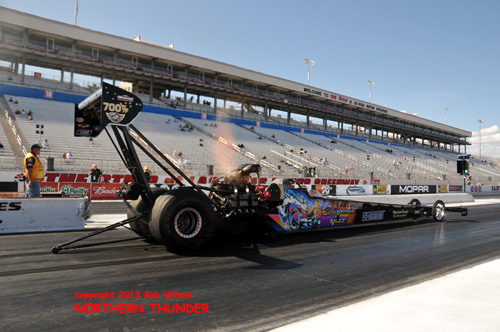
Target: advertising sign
[
  {"x": 455, "y": 188},
  {"x": 354, "y": 190},
  {"x": 412, "y": 189},
  {"x": 380, "y": 190}
]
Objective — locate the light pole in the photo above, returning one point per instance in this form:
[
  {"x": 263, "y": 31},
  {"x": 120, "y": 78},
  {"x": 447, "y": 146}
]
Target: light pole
[
  {"x": 309, "y": 63},
  {"x": 76, "y": 11},
  {"x": 446, "y": 115},
  {"x": 371, "y": 83},
  {"x": 480, "y": 122}
]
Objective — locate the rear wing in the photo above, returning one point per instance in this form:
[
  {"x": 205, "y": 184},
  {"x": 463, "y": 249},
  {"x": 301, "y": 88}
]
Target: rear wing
[{"x": 108, "y": 105}]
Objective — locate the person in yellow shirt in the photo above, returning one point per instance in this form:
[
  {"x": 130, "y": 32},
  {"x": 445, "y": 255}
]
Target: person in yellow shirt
[{"x": 33, "y": 172}]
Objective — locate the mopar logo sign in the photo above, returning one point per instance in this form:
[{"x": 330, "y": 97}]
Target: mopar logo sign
[{"x": 413, "y": 189}]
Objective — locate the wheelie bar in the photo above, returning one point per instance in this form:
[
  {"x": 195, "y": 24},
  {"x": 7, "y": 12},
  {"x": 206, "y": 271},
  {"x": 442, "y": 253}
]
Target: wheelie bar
[{"x": 64, "y": 246}]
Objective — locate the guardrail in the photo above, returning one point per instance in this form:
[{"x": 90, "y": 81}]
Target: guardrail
[{"x": 17, "y": 136}]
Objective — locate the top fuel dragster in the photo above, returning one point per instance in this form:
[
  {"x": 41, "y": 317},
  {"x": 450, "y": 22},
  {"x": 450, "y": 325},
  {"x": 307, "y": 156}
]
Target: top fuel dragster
[{"x": 186, "y": 217}]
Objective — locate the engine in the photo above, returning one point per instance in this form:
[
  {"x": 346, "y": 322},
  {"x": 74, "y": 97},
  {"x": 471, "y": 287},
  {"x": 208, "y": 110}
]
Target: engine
[{"x": 237, "y": 193}]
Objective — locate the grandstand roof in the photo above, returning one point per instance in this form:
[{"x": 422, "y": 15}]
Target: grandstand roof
[{"x": 100, "y": 54}]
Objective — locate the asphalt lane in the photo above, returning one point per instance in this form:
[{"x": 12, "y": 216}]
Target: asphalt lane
[
  {"x": 108, "y": 207},
  {"x": 246, "y": 287}
]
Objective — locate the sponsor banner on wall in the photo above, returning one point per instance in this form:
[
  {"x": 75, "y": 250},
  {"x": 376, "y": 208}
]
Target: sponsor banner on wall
[
  {"x": 479, "y": 189},
  {"x": 77, "y": 185},
  {"x": 77, "y": 189},
  {"x": 103, "y": 190},
  {"x": 456, "y": 188},
  {"x": 163, "y": 179},
  {"x": 443, "y": 188},
  {"x": 334, "y": 181},
  {"x": 412, "y": 189},
  {"x": 80, "y": 189},
  {"x": 48, "y": 187},
  {"x": 323, "y": 190},
  {"x": 354, "y": 190},
  {"x": 380, "y": 190}
]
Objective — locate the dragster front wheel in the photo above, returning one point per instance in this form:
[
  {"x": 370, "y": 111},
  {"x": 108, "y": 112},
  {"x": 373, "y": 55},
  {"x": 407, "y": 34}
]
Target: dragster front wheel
[
  {"x": 415, "y": 202},
  {"x": 183, "y": 219},
  {"x": 438, "y": 211}
]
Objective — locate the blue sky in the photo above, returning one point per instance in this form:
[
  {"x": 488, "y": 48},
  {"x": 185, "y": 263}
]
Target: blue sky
[{"x": 424, "y": 56}]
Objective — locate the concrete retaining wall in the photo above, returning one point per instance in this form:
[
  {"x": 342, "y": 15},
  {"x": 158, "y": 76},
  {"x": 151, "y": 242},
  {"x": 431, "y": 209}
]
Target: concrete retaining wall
[
  {"x": 425, "y": 199},
  {"x": 20, "y": 215}
]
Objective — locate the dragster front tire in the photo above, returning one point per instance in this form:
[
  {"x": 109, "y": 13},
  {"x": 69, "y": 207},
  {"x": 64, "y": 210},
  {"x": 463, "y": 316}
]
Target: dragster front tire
[
  {"x": 415, "y": 202},
  {"x": 139, "y": 226},
  {"x": 438, "y": 211},
  {"x": 183, "y": 219}
]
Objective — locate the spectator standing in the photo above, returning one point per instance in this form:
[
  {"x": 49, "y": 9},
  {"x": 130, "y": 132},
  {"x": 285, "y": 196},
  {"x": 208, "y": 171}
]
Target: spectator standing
[
  {"x": 304, "y": 171},
  {"x": 147, "y": 173},
  {"x": 95, "y": 174},
  {"x": 33, "y": 172}
]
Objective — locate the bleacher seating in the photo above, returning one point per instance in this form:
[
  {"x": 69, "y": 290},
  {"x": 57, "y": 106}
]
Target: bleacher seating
[
  {"x": 219, "y": 143},
  {"x": 57, "y": 119}
]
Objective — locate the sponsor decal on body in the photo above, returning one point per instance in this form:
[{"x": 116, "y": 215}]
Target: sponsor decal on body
[{"x": 373, "y": 215}]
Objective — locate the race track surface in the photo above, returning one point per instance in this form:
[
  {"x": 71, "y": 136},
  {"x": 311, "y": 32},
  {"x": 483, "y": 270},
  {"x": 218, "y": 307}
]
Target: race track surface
[{"x": 243, "y": 286}]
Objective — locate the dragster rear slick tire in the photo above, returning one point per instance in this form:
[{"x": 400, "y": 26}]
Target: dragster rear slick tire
[
  {"x": 183, "y": 219},
  {"x": 139, "y": 226}
]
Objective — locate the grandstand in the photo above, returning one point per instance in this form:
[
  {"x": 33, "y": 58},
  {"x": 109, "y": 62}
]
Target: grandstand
[
  {"x": 209, "y": 140},
  {"x": 339, "y": 137}
]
